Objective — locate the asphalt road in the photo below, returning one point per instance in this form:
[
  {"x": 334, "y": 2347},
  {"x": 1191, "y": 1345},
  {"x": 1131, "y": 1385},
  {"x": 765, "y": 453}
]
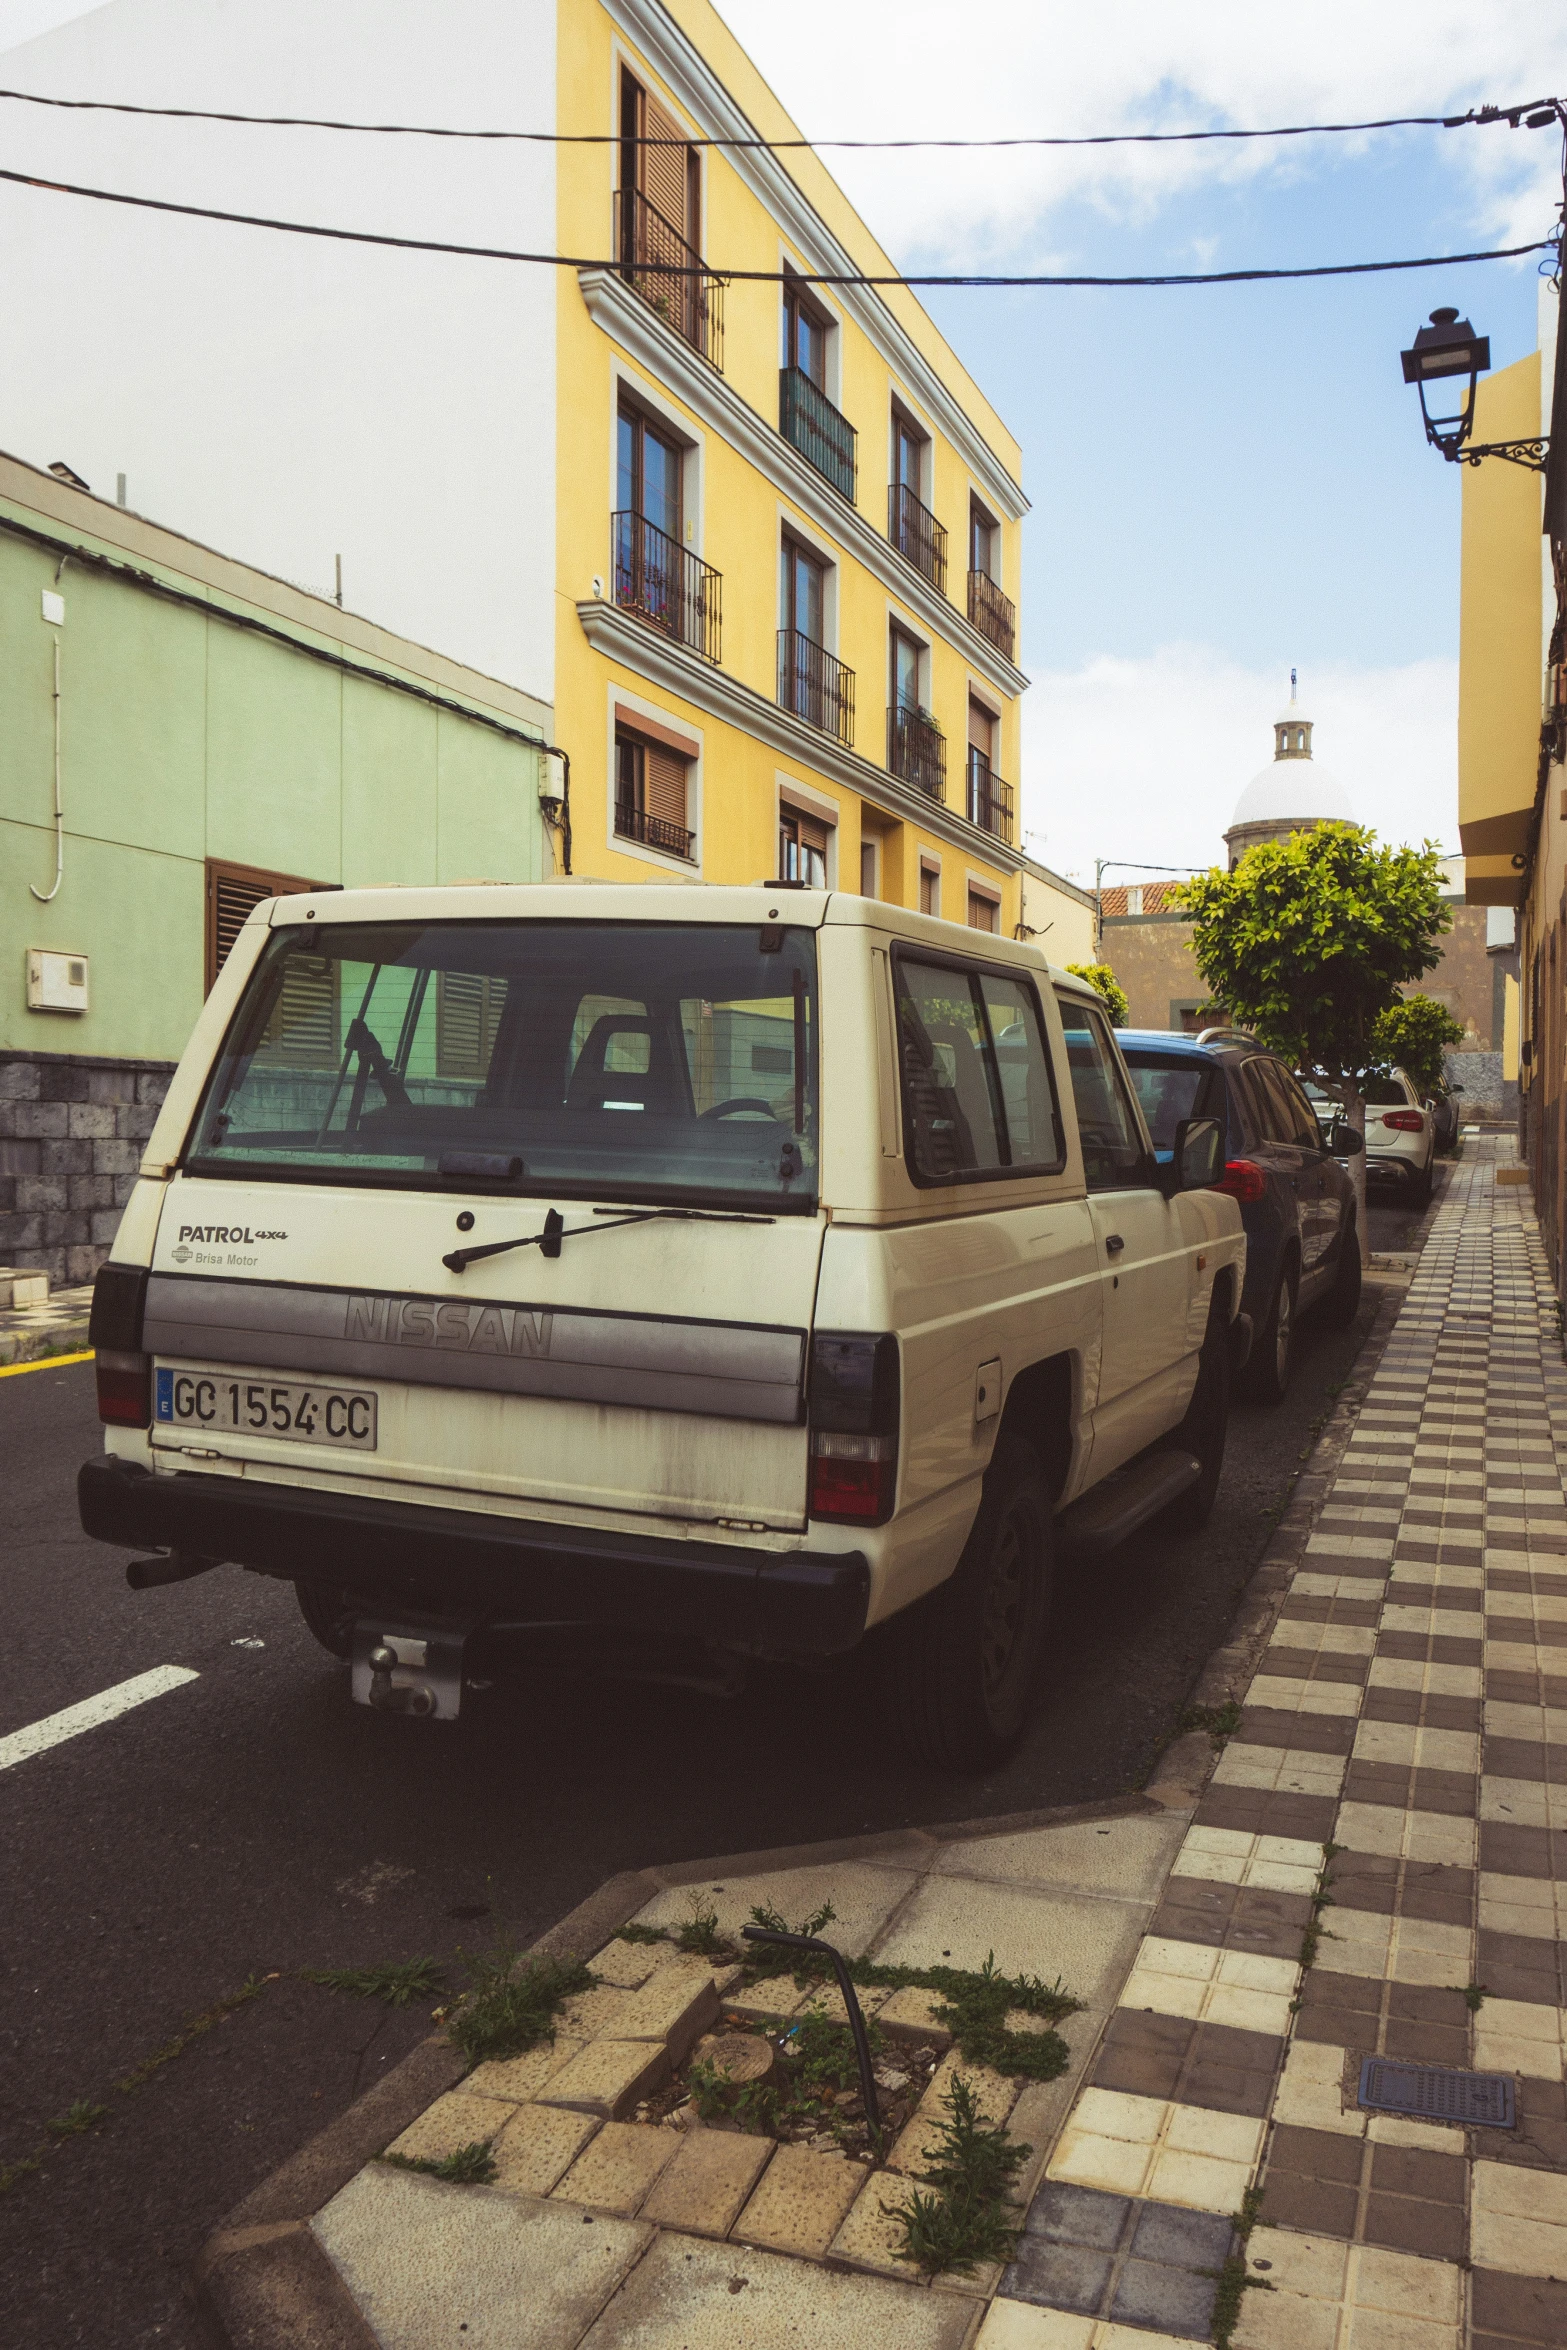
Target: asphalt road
[{"x": 252, "y": 1822}]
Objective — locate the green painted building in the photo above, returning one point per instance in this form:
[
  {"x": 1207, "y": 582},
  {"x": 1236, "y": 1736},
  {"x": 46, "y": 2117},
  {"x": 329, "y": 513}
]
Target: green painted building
[{"x": 181, "y": 735}]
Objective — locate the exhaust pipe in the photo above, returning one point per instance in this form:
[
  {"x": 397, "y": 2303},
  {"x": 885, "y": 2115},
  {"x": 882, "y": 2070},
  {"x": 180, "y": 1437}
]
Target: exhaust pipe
[{"x": 175, "y": 1566}]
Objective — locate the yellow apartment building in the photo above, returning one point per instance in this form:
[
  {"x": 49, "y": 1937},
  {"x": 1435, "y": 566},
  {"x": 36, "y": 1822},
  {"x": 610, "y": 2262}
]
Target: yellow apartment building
[
  {"x": 1512, "y": 733},
  {"x": 787, "y": 520}
]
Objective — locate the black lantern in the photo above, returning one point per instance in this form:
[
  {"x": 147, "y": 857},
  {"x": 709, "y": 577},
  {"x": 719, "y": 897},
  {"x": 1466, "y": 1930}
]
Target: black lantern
[{"x": 1449, "y": 346}]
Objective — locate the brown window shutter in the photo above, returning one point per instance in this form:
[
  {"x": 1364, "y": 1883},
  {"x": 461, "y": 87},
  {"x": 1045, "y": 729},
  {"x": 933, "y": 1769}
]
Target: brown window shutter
[
  {"x": 665, "y": 170},
  {"x": 982, "y": 730},
  {"x": 232, "y": 891},
  {"x": 666, "y": 785},
  {"x": 983, "y": 913},
  {"x": 468, "y": 1010}
]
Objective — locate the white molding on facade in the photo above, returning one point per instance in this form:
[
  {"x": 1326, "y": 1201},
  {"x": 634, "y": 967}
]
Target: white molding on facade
[
  {"x": 626, "y": 318},
  {"x": 621, "y": 637}
]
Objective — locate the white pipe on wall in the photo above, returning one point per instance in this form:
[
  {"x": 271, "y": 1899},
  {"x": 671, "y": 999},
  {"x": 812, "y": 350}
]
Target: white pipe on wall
[{"x": 44, "y": 896}]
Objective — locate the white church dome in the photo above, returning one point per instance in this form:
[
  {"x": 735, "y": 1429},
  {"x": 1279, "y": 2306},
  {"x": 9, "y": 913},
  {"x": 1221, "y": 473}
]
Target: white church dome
[{"x": 1293, "y": 787}]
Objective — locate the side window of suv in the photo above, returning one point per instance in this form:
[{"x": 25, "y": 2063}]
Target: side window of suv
[
  {"x": 978, "y": 1093},
  {"x": 1306, "y": 1130},
  {"x": 1114, "y": 1154}
]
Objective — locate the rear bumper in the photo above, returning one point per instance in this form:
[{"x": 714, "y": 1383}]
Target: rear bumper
[
  {"x": 1384, "y": 1167},
  {"x": 486, "y": 1570}
]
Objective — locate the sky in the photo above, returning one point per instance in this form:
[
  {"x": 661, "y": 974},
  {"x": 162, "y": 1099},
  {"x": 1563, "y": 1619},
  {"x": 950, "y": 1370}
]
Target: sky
[{"x": 1226, "y": 482}]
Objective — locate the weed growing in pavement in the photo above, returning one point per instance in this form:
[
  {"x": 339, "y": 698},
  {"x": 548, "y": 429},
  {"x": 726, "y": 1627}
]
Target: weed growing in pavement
[
  {"x": 398, "y": 1983},
  {"x": 635, "y": 1933},
  {"x": 971, "y": 2168},
  {"x": 512, "y": 2001},
  {"x": 1233, "y": 2280},
  {"x": 1220, "y": 1721},
  {"x": 472, "y": 2165},
  {"x": 764, "y": 1959},
  {"x": 698, "y": 1936},
  {"x": 83, "y": 2115},
  {"x": 756, "y": 2106},
  {"x": 1321, "y": 1899},
  {"x": 1473, "y": 1995}
]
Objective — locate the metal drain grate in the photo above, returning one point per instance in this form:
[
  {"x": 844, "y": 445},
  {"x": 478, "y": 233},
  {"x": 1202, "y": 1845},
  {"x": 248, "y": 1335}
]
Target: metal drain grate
[{"x": 1439, "y": 2092}]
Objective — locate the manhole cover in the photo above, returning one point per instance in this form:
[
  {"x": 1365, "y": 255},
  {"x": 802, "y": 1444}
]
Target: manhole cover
[{"x": 1439, "y": 2092}]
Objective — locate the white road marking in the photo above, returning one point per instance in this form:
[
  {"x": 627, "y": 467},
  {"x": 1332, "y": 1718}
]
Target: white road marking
[{"x": 54, "y": 1729}]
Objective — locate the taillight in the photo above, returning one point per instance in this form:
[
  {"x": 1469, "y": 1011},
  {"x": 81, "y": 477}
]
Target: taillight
[
  {"x": 854, "y": 1403},
  {"x": 1407, "y": 1121},
  {"x": 114, "y": 1332},
  {"x": 124, "y": 1389},
  {"x": 1244, "y": 1180}
]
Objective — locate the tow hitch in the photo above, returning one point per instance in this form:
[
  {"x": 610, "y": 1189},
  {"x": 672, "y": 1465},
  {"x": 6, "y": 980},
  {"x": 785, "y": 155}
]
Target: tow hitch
[{"x": 402, "y": 1671}]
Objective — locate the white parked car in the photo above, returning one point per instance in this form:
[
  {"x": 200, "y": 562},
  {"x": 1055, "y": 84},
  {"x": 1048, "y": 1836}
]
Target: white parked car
[
  {"x": 892, "y": 1292},
  {"x": 1400, "y": 1132}
]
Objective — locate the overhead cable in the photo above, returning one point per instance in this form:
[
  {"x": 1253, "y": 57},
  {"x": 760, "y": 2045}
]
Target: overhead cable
[
  {"x": 1535, "y": 112},
  {"x": 847, "y": 277}
]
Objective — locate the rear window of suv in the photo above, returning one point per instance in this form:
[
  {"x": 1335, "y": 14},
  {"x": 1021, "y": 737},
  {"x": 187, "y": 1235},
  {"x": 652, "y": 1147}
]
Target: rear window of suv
[
  {"x": 630, "y": 1059},
  {"x": 1173, "y": 1086}
]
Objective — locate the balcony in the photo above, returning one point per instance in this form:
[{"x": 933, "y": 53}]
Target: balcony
[
  {"x": 815, "y": 686},
  {"x": 669, "y": 274},
  {"x": 917, "y": 750},
  {"x": 654, "y": 832},
  {"x": 993, "y": 614},
  {"x": 658, "y": 580},
  {"x": 917, "y": 535},
  {"x": 824, "y": 438},
  {"x": 989, "y": 799}
]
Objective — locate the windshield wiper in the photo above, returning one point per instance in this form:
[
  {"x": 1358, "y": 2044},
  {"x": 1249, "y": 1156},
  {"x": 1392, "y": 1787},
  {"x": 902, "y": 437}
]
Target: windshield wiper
[{"x": 555, "y": 1231}]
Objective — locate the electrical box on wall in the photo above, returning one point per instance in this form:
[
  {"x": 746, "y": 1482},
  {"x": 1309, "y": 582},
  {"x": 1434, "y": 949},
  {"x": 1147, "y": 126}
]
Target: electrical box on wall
[{"x": 56, "y": 983}]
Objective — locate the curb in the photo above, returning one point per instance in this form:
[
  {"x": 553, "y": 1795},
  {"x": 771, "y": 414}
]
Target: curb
[
  {"x": 21, "y": 1345},
  {"x": 261, "y": 2280}
]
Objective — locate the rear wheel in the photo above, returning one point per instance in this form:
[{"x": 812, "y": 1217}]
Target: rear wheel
[
  {"x": 963, "y": 1662},
  {"x": 330, "y": 1614},
  {"x": 1270, "y": 1361},
  {"x": 1342, "y": 1302},
  {"x": 1424, "y": 1182},
  {"x": 1204, "y": 1428}
]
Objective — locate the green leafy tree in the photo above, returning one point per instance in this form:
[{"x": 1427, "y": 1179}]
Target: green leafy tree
[
  {"x": 1104, "y": 982},
  {"x": 1412, "y": 1035},
  {"x": 1308, "y": 943}
]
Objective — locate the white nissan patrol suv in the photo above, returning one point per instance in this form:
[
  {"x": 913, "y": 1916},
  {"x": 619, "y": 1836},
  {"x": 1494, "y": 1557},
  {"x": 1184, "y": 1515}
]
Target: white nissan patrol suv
[{"x": 894, "y": 1305}]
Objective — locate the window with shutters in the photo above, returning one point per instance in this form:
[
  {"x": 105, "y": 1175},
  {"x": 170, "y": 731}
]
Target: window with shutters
[
  {"x": 930, "y": 888},
  {"x": 660, "y": 220},
  {"x": 802, "y": 848},
  {"x": 983, "y": 912},
  {"x": 652, "y": 790},
  {"x": 304, "y": 1023}
]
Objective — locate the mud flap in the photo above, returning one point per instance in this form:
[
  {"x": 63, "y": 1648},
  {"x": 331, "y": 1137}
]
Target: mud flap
[{"x": 400, "y": 1670}]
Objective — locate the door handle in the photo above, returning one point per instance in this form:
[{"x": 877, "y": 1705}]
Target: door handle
[{"x": 1114, "y": 1244}]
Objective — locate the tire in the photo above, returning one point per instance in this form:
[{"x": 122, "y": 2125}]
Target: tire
[
  {"x": 963, "y": 1663},
  {"x": 1204, "y": 1429},
  {"x": 1342, "y": 1303},
  {"x": 330, "y": 1614},
  {"x": 1275, "y": 1345},
  {"x": 1424, "y": 1184}
]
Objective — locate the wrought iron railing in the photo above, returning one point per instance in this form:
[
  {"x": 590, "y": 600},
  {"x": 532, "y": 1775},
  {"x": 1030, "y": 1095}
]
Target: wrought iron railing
[
  {"x": 669, "y": 274},
  {"x": 655, "y": 832},
  {"x": 992, "y": 613},
  {"x": 916, "y": 533},
  {"x": 917, "y": 749},
  {"x": 989, "y": 799},
  {"x": 814, "y": 685},
  {"x": 824, "y": 437},
  {"x": 656, "y": 578}
]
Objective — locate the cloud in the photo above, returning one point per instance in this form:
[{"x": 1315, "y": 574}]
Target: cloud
[
  {"x": 1145, "y": 759},
  {"x": 1132, "y": 65}
]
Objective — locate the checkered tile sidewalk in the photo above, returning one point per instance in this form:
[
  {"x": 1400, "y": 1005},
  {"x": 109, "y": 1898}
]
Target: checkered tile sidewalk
[{"x": 1407, "y": 1731}]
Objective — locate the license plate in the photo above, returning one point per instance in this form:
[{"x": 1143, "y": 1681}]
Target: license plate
[{"x": 280, "y": 1408}]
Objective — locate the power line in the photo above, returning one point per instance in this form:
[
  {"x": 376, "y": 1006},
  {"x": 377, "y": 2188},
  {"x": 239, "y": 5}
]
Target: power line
[
  {"x": 358, "y": 236},
  {"x": 1535, "y": 112}
]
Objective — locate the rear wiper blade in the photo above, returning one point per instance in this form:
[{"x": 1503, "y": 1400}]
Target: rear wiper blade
[{"x": 555, "y": 1231}]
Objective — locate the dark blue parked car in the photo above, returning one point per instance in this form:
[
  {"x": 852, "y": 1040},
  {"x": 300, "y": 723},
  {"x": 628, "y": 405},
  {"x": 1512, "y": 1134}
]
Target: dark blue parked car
[{"x": 1297, "y": 1201}]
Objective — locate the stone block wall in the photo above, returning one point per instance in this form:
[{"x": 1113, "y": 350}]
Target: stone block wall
[
  {"x": 72, "y": 1131},
  {"x": 1486, "y": 1093}
]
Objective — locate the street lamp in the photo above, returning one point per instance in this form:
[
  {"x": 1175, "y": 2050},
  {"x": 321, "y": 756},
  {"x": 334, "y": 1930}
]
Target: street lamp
[{"x": 1449, "y": 347}]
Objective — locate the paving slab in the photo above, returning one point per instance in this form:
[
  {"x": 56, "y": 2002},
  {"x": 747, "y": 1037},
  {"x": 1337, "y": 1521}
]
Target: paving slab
[
  {"x": 537, "y": 2145},
  {"x": 1089, "y": 1943},
  {"x": 863, "y": 1895},
  {"x": 617, "y": 2167},
  {"x": 801, "y": 2202},
  {"x": 704, "y": 2190},
  {"x": 1125, "y": 1859},
  {"x": 521, "y": 2077},
  {"x": 688, "y": 2295},
  {"x": 436, "y": 2265},
  {"x": 609, "y": 2077},
  {"x": 456, "y": 2120}
]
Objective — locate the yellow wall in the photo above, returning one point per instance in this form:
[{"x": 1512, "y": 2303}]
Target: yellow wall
[
  {"x": 1499, "y": 640},
  {"x": 734, "y": 522}
]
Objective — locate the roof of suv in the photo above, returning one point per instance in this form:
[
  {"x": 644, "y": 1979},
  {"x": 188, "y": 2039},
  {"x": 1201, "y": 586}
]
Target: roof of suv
[{"x": 1175, "y": 1040}]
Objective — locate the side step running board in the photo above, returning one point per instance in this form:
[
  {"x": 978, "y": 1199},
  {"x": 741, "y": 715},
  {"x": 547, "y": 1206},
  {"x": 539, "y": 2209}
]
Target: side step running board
[{"x": 1125, "y": 1501}]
